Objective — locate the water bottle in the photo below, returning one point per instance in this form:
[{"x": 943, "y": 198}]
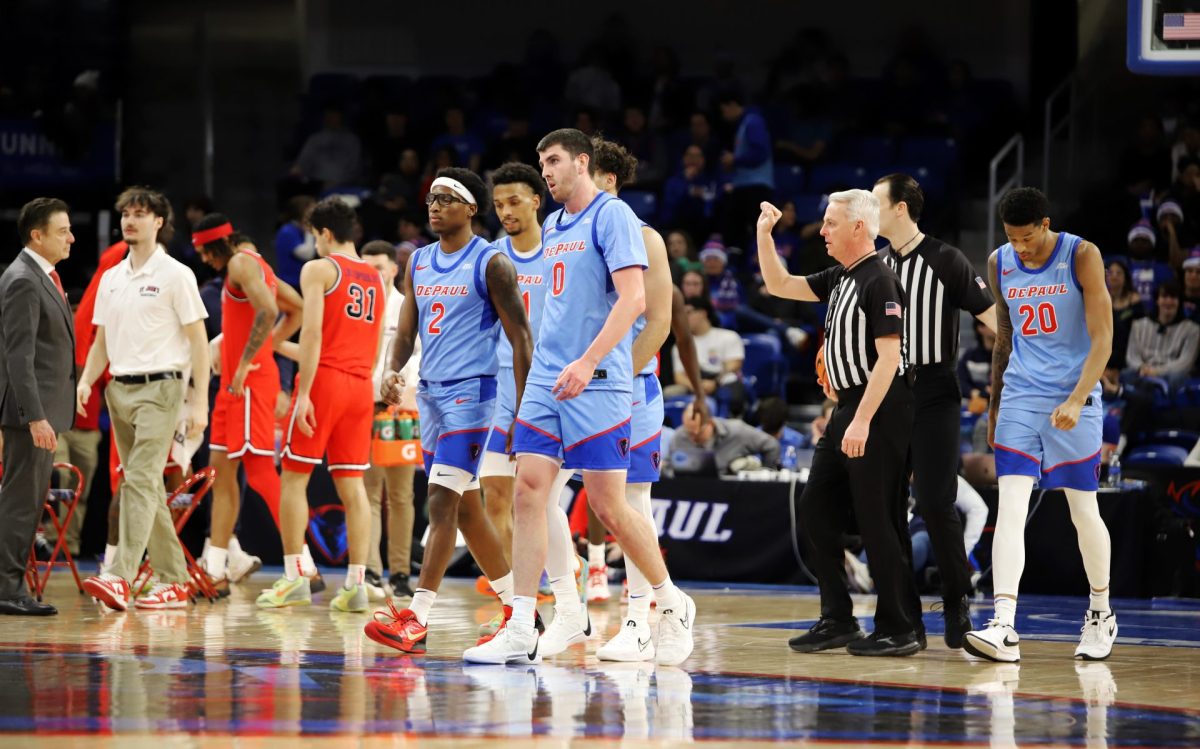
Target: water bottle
[
  {"x": 1114, "y": 471},
  {"x": 790, "y": 454}
]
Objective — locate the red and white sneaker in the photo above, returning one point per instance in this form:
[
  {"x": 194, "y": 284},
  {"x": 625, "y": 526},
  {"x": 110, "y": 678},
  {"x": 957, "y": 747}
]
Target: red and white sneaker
[
  {"x": 504, "y": 616},
  {"x": 597, "y": 585},
  {"x": 108, "y": 589},
  {"x": 164, "y": 596},
  {"x": 397, "y": 629}
]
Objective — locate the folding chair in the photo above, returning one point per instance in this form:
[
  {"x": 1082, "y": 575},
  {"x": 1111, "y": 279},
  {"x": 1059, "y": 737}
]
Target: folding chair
[
  {"x": 183, "y": 502},
  {"x": 56, "y": 498}
]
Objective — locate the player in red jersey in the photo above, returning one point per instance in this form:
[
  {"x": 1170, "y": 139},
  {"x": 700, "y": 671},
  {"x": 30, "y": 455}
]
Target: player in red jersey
[
  {"x": 334, "y": 402},
  {"x": 243, "y": 418}
]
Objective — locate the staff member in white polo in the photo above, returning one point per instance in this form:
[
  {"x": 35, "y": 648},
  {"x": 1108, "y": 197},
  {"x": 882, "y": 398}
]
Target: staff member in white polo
[{"x": 150, "y": 332}]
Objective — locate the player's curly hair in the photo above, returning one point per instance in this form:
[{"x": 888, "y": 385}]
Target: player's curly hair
[
  {"x": 1023, "y": 206},
  {"x": 514, "y": 173},
  {"x": 473, "y": 183},
  {"x": 613, "y": 158}
]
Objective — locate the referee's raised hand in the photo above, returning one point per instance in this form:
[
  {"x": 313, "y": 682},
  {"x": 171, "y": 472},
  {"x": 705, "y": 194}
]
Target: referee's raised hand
[{"x": 769, "y": 216}]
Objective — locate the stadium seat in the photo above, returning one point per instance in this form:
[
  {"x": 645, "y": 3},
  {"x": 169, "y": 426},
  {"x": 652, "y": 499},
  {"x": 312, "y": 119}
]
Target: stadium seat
[
  {"x": 1178, "y": 437},
  {"x": 830, "y": 177},
  {"x": 1188, "y": 396},
  {"x": 643, "y": 202},
  {"x": 868, "y": 150},
  {"x": 764, "y": 369},
  {"x": 1156, "y": 455},
  {"x": 940, "y": 154},
  {"x": 809, "y": 206},
  {"x": 789, "y": 180}
]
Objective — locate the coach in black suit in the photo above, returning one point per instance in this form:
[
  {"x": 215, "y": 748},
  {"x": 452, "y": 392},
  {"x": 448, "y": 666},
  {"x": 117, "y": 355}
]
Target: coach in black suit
[{"x": 37, "y": 388}]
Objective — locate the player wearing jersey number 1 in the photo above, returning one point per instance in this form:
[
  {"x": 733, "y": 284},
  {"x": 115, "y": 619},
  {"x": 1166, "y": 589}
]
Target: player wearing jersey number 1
[
  {"x": 1053, "y": 339},
  {"x": 459, "y": 291},
  {"x": 333, "y": 404}
]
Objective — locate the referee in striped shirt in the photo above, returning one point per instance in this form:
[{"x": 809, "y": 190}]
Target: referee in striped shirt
[
  {"x": 863, "y": 454},
  {"x": 938, "y": 281}
]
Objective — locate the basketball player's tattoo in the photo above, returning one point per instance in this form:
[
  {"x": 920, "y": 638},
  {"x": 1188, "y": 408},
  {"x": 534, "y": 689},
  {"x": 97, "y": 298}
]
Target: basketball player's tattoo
[
  {"x": 1003, "y": 347},
  {"x": 263, "y": 323},
  {"x": 505, "y": 294}
]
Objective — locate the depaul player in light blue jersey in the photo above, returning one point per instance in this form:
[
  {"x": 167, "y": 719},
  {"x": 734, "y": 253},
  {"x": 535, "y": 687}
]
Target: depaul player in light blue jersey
[
  {"x": 576, "y": 409},
  {"x": 458, "y": 292},
  {"x": 1053, "y": 338}
]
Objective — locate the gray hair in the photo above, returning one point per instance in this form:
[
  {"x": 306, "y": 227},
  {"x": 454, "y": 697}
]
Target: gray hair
[{"x": 861, "y": 205}]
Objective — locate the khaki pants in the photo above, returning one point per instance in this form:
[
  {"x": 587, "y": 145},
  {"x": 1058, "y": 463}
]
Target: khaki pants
[
  {"x": 81, "y": 449},
  {"x": 144, "y": 418},
  {"x": 398, "y": 482}
]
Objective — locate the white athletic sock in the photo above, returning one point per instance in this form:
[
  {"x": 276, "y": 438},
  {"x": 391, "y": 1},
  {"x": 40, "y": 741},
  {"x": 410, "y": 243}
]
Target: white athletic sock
[
  {"x": 596, "y": 555},
  {"x": 503, "y": 587},
  {"x": 560, "y": 550},
  {"x": 638, "y": 497},
  {"x": 564, "y": 589},
  {"x": 1098, "y": 601},
  {"x": 667, "y": 595},
  {"x": 1006, "y": 610},
  {"x": 523, "y": 609},
  {"x": 422, "y": 603},
  {"x": 291, "y": 566},
  {"x": 1094, "y": 544},
  {"x": 235, "y": 547},
  {"x": 355, "y": 574},
  {"x": 110, "y": 556},
  {"x": 307, "y": 565},
  {"x": 1008, "y": 543},
  {"x": 214, "y": 561}
]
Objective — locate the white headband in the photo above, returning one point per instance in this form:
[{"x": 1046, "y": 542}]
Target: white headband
[{"x": 455, "y": 186}]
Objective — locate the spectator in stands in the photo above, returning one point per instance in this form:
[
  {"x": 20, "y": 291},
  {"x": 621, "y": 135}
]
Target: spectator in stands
[
  {"x": 1146, "y": 163},
  {"x": 590, "y": 85},
  {"x": 443, "y": 158},
  {"x": 689, "y": 195},
  {"x": 402, "y": 185},
  {"x": 693, "y": 283},
  {"x": 1164, "y": 346},
  {"x": 720, "y": 353},
  {"x": 721, "y": 446},
  {"x": 516, "y": 144},
  {"x": 1191, "y": 286},
  {"x": 1187, "y": 144},
  {"x": 749, "y": 164},
  {"x": 734, "y": 306},
  {"x": 772, "y": 419},
  {"x": 786, "y": 234},
  {"x": 700, "y": 133},
  {"x": 805, "y": 137},
  {"x": 586, "y": 121},
  {"x": 975, "y": 370},
  {"x": 411, "y": 231},
  {"x": 294, "y": 246},
  {"x": 670, "y": 99},
  {"x": 1185, "y": 191},
  {"x": 646, "y": 146},
  {"x": 682, "y": 252},
  {"x": 466, "y": 146},
  {"x": 195, "y": 209},
  {"x": 1146, "y": 272},
  {"x": 332, "y": 156},
  {"x": 390, "y": 143},
  {"x": 723, "y": 287},
  {"x": 1170, "y": 224},
  {"x": 1126, "y": 306}
]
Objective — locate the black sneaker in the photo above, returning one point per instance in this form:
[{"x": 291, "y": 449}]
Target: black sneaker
[
  {"x": 957, "y": 614},
  {"x": 826, "y": 634},
  {"x": 371, "y": 577},
  {"x": 401, "y": 588},
  {"x": 876, "y": 644}
]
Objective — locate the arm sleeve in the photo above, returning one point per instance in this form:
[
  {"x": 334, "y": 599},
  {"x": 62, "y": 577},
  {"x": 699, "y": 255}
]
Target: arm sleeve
[
  {"x": 619, "y": 235},
  {"x": 967, "y": 288},
  {"x": 20, "y": 311},
  {"x": 823, "y": 282},
  {"x": 882, "y": 301}
]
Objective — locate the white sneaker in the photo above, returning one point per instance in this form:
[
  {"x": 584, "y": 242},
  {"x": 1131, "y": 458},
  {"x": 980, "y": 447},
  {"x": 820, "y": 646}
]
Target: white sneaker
[
  {"x": 1097, "y": 635},
  {"x": 570, "y": 627},
  {"x": 508, "y": 646},
  {"x": 597, "y": 585},
  {"x": 632, "y": 643},
  {"x": 675, "y": 641},
  {"x": 375, "y": 593},
  {"x": 242, "y": 565},
  {"x": 996, "y": 642}
]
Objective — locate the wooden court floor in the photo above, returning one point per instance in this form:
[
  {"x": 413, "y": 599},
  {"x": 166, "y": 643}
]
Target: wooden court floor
[{"x": 232, "y": 675}]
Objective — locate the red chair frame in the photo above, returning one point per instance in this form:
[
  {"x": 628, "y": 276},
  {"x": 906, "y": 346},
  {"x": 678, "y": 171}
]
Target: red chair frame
[
  {"x": 182, "y": 503},
  {"x": 35, "y": 569}
]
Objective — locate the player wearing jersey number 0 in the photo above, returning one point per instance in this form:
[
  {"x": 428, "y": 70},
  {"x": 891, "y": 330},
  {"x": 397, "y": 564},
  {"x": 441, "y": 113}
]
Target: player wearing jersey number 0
[
  {"x": 459, "y": 291},
  {"x": 1053, "y": 339},
  {"x": 333, "y": 404}
]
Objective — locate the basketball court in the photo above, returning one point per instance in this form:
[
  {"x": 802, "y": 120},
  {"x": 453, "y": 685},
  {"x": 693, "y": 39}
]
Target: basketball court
[{"x": 231, "y": 674}]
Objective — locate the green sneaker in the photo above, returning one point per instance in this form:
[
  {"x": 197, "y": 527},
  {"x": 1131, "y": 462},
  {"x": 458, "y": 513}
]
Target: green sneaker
[
  {"x": 286, "y": 593},
  {"x": 492, "y": 626},
  {"x": 350, "y": 599},
  {"x": 581, "y": 579}
]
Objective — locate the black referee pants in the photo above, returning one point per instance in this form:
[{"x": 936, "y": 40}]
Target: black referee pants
[
  {"x": 934, "y": 451},
  {"x": 870, "y": 490}
]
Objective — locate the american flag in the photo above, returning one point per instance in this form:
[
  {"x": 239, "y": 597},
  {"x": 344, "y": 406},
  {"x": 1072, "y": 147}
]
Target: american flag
[
  {"x": 892, "y": 308},
  {"x": 979, "y": 281},
  {"x": 1181, "y": 26}
]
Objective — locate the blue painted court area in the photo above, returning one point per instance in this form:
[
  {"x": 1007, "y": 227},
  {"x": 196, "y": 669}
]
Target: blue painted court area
[
  {"x": 55, "y": 689},
  {"x": 1172, "y": 622}
]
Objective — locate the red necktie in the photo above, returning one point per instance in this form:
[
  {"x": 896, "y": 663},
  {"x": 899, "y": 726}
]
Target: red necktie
[{"x": 58, "y": 284}]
